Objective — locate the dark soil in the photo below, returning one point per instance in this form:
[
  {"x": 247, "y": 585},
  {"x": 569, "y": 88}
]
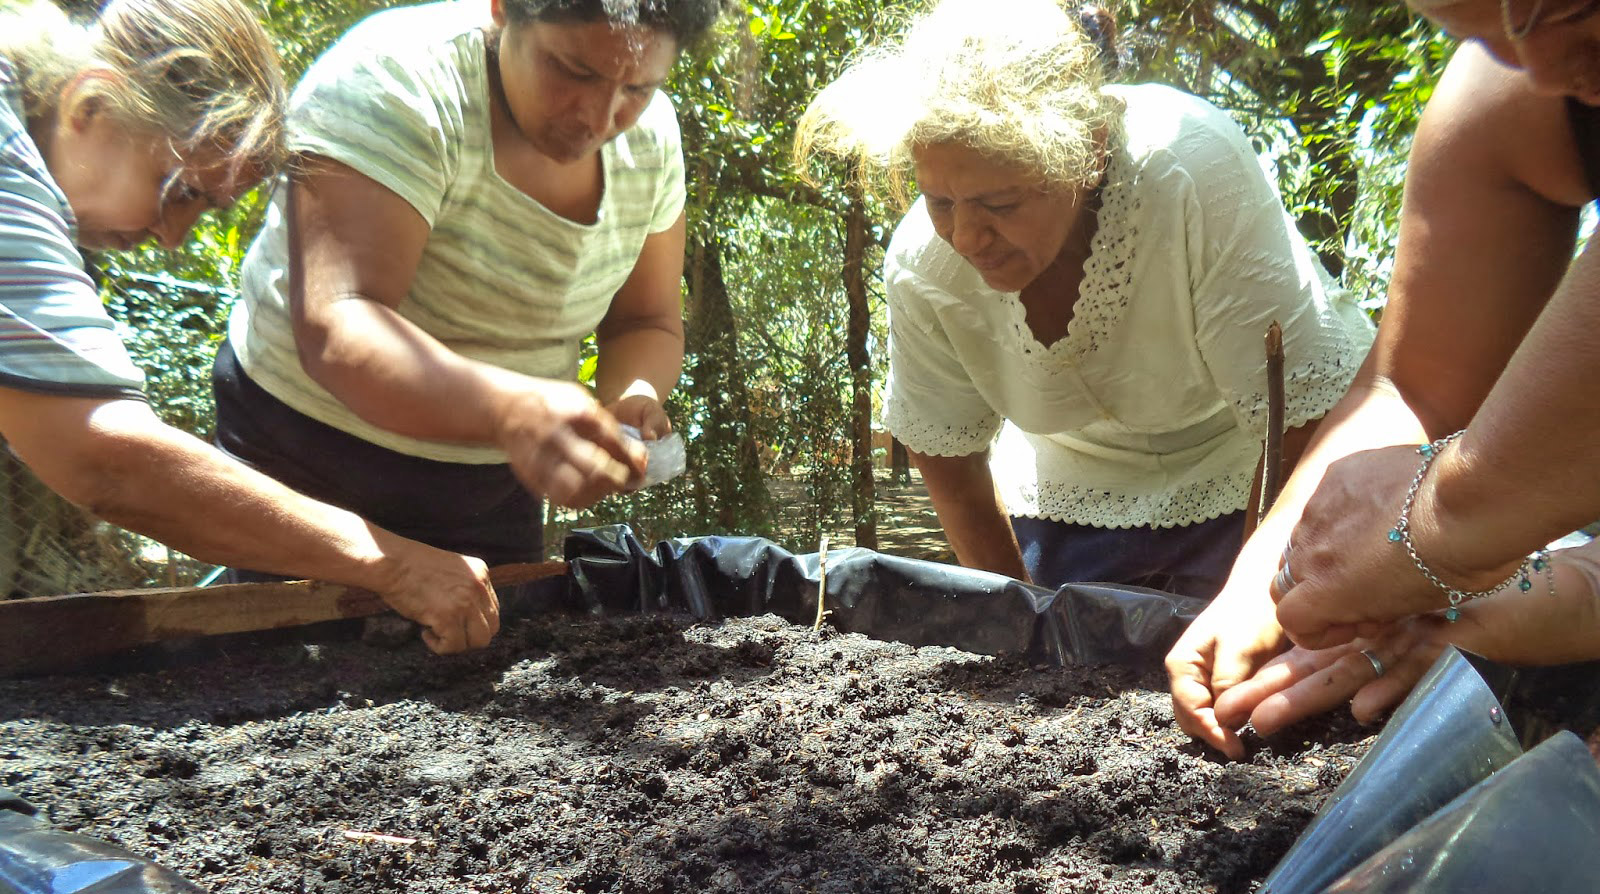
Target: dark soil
[{"x": 651, "y": 754}]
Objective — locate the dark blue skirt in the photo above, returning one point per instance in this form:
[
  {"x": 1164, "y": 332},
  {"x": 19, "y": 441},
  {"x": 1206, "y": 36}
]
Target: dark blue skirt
[
  {"x": 479, "y": 510},
  {"x": 1190, "y": 560}
]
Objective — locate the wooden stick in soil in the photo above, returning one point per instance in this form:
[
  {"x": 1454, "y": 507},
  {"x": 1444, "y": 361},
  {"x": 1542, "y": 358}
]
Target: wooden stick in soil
[
  {"x": 1269, "y": 482},
  {"x": 57, "y": 633},
  {"x": 1272, "y": 457},
  {"x": 822, "y": 581}
]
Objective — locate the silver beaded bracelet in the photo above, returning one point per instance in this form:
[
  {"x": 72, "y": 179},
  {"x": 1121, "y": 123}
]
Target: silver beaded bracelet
[{"x": 1536, "y": 562}]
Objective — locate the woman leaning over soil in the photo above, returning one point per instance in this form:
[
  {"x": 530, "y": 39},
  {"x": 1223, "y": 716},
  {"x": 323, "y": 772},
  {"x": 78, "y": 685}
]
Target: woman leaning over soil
[
  {"x": 479, "y": 186},
  {"x": 1088, "y": 274},
  {"x": 110, "y": 135}
]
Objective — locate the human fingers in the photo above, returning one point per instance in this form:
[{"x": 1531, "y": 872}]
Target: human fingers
[
  {"x": 1192, "y": 709},
  {"x": 604, "y": 430},
  {"x": 479, "y": 629},
  {"x": 484, "y": 611},
  {"x": 644, "y": 413},
  {"x": 1235, "y": 706},
  {"x": 1283, "y": 581},
  {"x": 1402, "y": 671},
  {"x": 445, "y": 636},
  {"x": 572, "y": 472},
  {"x": 1319, "y": 638},
  {"x": 1317, "y": 693}
]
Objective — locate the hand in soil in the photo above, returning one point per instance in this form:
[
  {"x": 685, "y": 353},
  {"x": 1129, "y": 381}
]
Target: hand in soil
[
  {"x": 1514, "y": 627},
  {"x": 1224, "y": 646},
  {"x": 565, "y": 447},
  {"x": 448, "y": 594}
]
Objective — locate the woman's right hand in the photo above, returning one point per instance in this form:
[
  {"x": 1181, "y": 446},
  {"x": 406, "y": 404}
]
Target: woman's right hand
[
  {"x": 564, "y": 446},
  {"x": 1222, "y": 648},
  {"x": 448, "y": 594}
]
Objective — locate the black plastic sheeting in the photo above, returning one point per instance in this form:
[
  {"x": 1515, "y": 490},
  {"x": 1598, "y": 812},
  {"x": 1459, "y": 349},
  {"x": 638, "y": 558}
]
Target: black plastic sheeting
[
  {"x": 885, "y": 597},
  {"x": 36, "y": 859}
]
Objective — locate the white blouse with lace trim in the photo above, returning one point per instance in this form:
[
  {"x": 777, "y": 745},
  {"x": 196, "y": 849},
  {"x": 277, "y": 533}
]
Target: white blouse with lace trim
[{"x": 1151, "y": 410}]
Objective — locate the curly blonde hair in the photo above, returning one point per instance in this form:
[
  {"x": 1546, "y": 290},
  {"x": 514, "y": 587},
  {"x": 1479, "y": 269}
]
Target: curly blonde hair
[
  {"x": 201, "y": 72},
  {"x": 1019, "y": 81}
]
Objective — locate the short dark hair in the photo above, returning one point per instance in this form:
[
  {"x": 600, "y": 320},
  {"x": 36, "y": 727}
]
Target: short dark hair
[{"x": 686, "y": 20}]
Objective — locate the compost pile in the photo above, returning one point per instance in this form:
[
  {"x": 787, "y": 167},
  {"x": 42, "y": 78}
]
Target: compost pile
[{"x": 648, "y": 753}]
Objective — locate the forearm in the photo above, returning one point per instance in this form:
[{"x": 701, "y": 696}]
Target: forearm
[
  {"x": 971, "y": 512},
  {"x": 646, "y": 359},
  {"x": 131, "y": 470},
  {"x": 1522, "y": 474},
  {"x": 401, "y": 379}
]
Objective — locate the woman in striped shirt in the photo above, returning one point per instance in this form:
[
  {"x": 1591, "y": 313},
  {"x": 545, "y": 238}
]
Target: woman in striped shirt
[{"x": 480, "y": 186}]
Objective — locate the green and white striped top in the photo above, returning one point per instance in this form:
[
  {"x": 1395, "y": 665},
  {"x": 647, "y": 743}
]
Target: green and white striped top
[{"x": 404, "y": 99}]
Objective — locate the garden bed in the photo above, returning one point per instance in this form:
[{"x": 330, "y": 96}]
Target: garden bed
[{"x": 652, "y": 754}]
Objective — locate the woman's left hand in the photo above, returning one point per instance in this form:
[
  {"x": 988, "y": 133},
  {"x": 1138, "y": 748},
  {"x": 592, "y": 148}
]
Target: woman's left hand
[
  {"x": 644, "y": 413},
  {"x": 1515, "y": 627},
  {"x": 1303, "y": 683}
]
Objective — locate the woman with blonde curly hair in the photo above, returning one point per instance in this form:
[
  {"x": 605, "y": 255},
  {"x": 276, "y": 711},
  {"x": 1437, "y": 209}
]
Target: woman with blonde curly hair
[
  {"x": 113, "y": 133},
  {"x": 1078, "y": 297}
]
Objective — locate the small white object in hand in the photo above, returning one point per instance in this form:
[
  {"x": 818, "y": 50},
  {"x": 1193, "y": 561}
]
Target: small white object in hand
[{"x": 666, "y": 456}]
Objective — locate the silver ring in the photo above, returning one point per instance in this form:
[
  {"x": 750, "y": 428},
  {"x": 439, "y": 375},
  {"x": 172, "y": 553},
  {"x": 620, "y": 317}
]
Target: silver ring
[
  {"x": 1284, "y": 579},
  {"x": 1377, "y": 666}
]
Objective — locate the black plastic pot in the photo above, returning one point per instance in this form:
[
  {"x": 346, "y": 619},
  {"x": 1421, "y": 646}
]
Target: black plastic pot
[
  {"x": 1449, "y": 734},
  {"x": 1533, "y": 826},
  {"x": 36, "y": 859}
]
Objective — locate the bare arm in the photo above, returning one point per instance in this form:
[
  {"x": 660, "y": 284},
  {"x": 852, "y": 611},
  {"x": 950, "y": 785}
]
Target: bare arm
[
  {"x": 354, "y": 249},
  {"x": 1486, "y": 229},
  {"x": 974, "y": 519},
  {"x": 641, "y": 337},
  {"x": 117, "y": 460},
  {"x": 1524, "y": 474},
  {"x": 1486, "y": 235}
]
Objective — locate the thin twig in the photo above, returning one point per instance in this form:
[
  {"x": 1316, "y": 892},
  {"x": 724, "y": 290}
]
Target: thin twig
[
  {"x": 822, "y": 580},
  {"x": 365, "y": 837},
  {"x": 1272, "y": 458}
]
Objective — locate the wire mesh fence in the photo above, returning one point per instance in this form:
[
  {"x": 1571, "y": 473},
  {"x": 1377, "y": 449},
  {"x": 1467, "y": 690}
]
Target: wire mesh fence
[{"x": 49, "y": 547}]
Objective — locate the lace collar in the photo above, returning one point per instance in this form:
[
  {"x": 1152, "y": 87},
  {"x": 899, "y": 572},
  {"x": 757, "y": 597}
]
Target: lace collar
[{"x": 1107, "y": 274}]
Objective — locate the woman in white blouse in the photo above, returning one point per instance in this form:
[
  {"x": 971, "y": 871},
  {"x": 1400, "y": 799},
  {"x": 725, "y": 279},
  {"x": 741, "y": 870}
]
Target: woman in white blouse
[{"x": 1078, "y": 299}]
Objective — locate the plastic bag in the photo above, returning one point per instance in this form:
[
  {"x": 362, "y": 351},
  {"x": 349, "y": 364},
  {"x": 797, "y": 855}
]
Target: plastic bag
[
  {"x": 667, "y": 458},
  {"x": 36, "y": 859}
]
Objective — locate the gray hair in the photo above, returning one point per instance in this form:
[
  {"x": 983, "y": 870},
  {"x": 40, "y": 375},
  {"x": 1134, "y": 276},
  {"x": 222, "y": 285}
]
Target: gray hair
[
  {"x": 200, "y": 72},
  {"x": 1019, "y": 81}
]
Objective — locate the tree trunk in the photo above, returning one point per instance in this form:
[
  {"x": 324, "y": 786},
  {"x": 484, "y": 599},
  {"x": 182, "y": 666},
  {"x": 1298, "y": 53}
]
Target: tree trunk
[
  {"x": 899, "y": 463},
  {"x": 731, "y": 487},
  {"x": 855, "y": 286}
]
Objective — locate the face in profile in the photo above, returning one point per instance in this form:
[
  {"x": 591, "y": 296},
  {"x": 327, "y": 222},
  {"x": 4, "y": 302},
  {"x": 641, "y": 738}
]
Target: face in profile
[
  {"x": 571, "y": 87},
  {"x": 999, "y": 217},
  {"x": 127, "y": 186},
  {"x": 1557, "y": 42}
]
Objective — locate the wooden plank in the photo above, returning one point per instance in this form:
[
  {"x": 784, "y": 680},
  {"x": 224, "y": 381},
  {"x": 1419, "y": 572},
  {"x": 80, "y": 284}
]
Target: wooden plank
[{"x": 58, "y": 632}]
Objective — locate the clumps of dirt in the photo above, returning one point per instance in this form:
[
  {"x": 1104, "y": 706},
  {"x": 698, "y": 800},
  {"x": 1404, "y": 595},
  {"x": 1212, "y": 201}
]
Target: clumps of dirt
[{"x": 652, "y": 754}]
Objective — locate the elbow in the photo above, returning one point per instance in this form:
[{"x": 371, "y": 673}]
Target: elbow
[
  {"x": 328, "y": 355},
  {"x": 98, "y": 475}
]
